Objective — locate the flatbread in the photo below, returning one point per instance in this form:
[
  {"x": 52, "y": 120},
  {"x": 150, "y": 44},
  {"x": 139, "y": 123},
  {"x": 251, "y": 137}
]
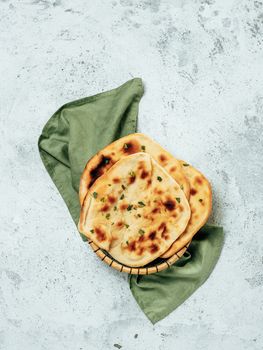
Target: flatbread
[
  {"x": 123, "y": 147},
  {"x": 200, "y": 203},
  {"x": 135, "y": 211}
]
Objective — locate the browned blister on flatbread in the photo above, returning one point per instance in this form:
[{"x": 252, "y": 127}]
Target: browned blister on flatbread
[
  {"x": 123, "y": 147},
  {"x": 135, "y": 211},
  {"x": 200, "y": 203}
]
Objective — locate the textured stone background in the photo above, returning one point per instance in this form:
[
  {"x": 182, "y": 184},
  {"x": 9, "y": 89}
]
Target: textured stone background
[{"x": 201, "y": 62}]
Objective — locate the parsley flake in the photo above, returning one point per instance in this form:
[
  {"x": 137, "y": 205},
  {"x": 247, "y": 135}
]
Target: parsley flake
[
  {"x": 159, "y": 178},
  {"x": 95, "y": 195},
  {"x": 132, "y": 174},
  {"x": 141, "y": 232},
  {"x": 115, "y": 208},
  {"x": 178, "y": 199},
  {"x": 200, "y": 200},
  {"x": 127, "y": 226},
  {"x": 143, "y": 148},
  {"x": 122, "y": 196},
  {"x": 182, "y": 187},
  {"x": 130, "y": 206},
  {"x": 123, "y": 187},
  {"x": 102, "y": 199},
  {"x": 108, "y": 216},
  {"x": 127, "y": 242},
  {"x": 92, "y": 231},
  {"x": 141, "y": 204},
  {"x": 185, "y": 164}
]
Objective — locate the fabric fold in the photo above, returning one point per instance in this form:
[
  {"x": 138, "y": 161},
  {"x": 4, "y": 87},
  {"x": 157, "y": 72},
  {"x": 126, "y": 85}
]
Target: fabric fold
[{"x": 161, "y": 293}]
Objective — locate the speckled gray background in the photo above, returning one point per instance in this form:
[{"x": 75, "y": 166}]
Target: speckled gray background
[{"x": 201, "y": 62}]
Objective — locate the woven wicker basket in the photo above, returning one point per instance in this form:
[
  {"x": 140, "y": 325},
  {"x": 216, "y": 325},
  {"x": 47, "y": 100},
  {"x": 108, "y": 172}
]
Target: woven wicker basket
[{"x": 156, "y": 266}]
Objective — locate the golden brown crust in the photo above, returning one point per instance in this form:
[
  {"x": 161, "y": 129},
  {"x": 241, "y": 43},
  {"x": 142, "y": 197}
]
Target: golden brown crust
[
  {"x": 200, "y": 203},
  {"x": 133, "y": 220},
  {"x": 123, "y": 147}
]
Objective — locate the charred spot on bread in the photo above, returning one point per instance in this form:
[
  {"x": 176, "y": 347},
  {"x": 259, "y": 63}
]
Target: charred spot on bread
[
  {"x": 105, "y": 207},
  {"x": 144, "y": 174},
  {"x": 131, "y": 147},
  {"x": 152, "y": 235},
  {"x": 112, "y": 199},
  {"x": 169, "y": 204},
  {"x": 132, "y": 246},
  {"x": 181, "y": 208},
  {"x": 162, "y": 158},
  {"x": 119, "y": 224},
  {"x": 132, "y": 179},
  {"x": 163, "y": 228},
  {"x": 153, "y": 248},
  {"x": 100, "y": 234},
  {"x": 156, "y": 210},
  {"x": 193, "y": 191},
  {"x": 199, "y": 180},
  {"x": 141, "y": 238},
  {"x": 123, "y": 206},
  {"x": 141, "y": 250},
  {"x": 158, "y": 191},
  {"x": 99, "y": 169}
]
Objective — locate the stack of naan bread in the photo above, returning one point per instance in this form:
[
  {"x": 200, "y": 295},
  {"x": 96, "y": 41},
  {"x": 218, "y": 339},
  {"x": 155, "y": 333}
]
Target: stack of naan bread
[{"x": 140, "y": 203}]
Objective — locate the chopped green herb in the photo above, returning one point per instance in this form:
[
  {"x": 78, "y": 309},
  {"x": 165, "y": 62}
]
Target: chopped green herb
[
  {"x": 122, "y": 196},
  {"x": 132, "y": 174},
  {"x": 200, "y": 200},
  {"x": 139, "y": 215},
  {"x": 141, "y": 204},
  {"x": 95, "y": 195},
  {"x": 185, "y": 164},
  {"x": 125, "y": 146},
  {"x": 127, "y": 225},
  {"x": 106, "y": 160},
  {"x": 143, "y": 148},
  {"x": 178, "y": 199},
  {"x": 112, "y": 223},
  {"x": 109, "y": 184},
  {"x": 129, "y": 207},
  {"x": 123, "y": 187},
  {"x": 115, "y": 208},
  {"x": 102, "y": 199},
  {"x": 92, "y": 231},
  {"x": 141, "y": 232},
  {"x": 159, "y": 178},
  {"x": 182, "y": 187},
  {"x": 108, "y": 216},
  {"x": 127, "y": 242}
]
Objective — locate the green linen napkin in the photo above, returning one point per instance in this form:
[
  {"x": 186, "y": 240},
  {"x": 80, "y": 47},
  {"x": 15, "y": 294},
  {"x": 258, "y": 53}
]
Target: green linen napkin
[{"x": 74, "y": 134}]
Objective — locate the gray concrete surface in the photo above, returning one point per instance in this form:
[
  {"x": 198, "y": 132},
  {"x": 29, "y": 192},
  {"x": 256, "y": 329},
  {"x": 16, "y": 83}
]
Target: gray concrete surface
[{"x": 201, "y": 62}]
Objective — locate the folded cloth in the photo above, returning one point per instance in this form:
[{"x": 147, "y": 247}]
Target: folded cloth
[{"x": 76, "y": 132}]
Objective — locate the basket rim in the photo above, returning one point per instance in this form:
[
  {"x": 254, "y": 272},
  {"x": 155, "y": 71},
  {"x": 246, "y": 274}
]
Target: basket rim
[{"x": 163, "y": 265}]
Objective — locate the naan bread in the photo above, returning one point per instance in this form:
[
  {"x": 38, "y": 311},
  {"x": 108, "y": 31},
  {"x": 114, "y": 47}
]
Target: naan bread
[
  {"x": 123, "y": 147},
  {"x": 200, "y": 203},
  {"x": 135, "y": 211}
]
